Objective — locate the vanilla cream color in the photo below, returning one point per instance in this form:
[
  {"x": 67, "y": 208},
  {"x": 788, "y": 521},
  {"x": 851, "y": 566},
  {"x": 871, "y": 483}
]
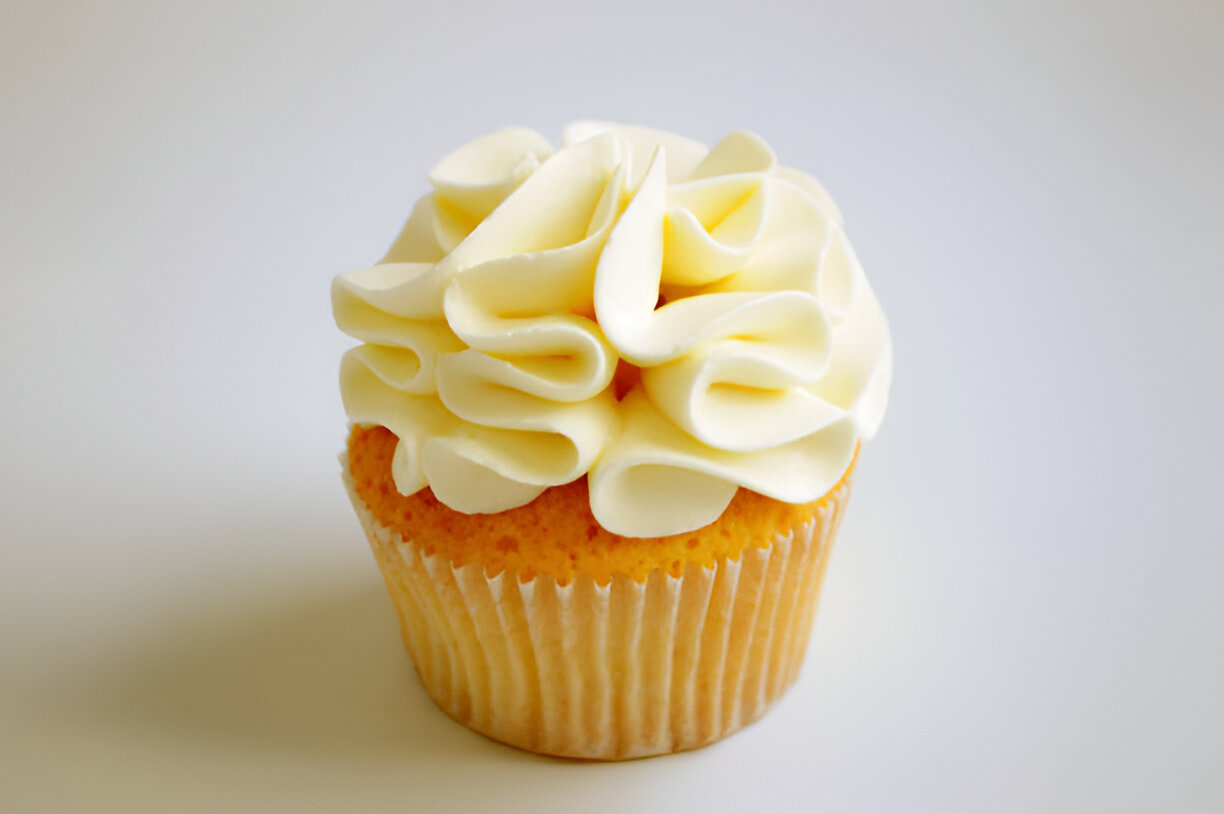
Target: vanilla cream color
[{"x": 495, "y": 324}]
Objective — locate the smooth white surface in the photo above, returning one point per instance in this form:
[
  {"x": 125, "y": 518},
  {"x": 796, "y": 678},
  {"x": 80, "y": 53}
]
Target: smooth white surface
[{"x": 1023, "y": 613}]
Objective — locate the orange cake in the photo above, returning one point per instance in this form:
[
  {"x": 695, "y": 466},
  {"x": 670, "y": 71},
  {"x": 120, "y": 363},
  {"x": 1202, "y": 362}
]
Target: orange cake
[
  {"x": 604, "y": 418},
  {"x": 556, "y": 535}
]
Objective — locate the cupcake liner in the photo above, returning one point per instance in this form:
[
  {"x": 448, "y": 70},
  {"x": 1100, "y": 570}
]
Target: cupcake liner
[{"x": 616, "y": 671}]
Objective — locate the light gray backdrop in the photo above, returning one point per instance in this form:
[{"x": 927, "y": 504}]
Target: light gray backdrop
[{"x": 1024, "y": 611}]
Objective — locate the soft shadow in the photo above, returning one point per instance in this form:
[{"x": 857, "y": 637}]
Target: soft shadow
[{"x": 312, "y": 670}]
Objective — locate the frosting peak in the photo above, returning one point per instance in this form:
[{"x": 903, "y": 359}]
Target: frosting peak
[{"x": 494, "y": 327}]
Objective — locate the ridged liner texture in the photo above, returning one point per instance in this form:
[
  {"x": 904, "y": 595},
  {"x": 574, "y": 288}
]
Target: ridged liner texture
[{"x": 617, "y": 671}]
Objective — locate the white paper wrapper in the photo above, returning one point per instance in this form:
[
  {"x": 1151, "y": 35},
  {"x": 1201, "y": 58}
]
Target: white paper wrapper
[{"x": 613, "y": 671}]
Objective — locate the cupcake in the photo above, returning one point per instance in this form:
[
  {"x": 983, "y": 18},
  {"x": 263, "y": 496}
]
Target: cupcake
[{"x": 604, "y": 420}]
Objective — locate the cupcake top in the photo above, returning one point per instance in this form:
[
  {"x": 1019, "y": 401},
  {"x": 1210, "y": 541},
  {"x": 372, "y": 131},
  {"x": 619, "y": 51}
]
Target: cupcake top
[{"x": 672, "y": 321}]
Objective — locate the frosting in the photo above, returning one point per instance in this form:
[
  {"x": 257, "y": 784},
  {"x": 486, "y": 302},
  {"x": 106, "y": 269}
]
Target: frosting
[{"x": 673, "y": 321}]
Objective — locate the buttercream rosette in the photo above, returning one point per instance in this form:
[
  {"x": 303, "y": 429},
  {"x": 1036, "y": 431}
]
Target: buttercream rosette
[{"x": 671, "y": 321}]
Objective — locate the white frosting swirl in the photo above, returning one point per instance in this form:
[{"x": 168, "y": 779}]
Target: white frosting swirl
[{"x": 495, "y": 325}]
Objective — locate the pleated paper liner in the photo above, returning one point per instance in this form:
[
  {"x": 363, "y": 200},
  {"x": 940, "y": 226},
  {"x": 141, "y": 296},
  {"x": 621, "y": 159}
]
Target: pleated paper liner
[{"x": 616, "y": 671}]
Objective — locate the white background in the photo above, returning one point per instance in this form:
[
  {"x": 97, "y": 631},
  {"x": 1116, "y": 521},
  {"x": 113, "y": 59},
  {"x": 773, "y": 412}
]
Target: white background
[{"x": 1024, "y": 610}]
